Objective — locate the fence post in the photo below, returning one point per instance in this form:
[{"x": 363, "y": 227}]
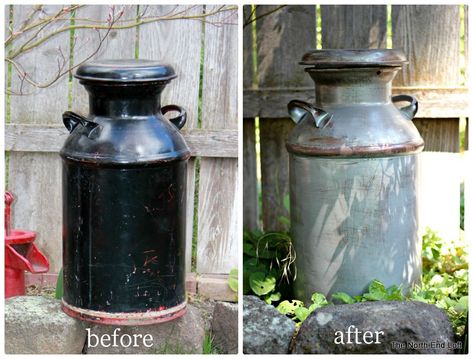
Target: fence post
[{"x": 282, "y": 38}]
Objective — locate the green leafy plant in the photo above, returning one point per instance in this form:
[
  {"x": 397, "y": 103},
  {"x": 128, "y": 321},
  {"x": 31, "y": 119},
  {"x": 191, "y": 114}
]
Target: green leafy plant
[
  {"x": 296, "y": 310},
  {"x": 267, "y": 263},
  {"x": 376, "y": 291},
  {"x": 233, "y": 282},
  {"x": 445, "y": 278}
]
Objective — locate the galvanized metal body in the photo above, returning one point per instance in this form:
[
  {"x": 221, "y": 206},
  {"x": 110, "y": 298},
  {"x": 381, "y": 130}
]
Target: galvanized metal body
[
  {"x": 352, "y": 221},
  {"x": 353, "y": 177},
  {"x": 124, "y": 190}
]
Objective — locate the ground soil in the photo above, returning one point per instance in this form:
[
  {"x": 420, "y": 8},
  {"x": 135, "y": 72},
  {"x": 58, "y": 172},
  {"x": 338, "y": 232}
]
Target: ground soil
[{"x": 43, "y": 290}]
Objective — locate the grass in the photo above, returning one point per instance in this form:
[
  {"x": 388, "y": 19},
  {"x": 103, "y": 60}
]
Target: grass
[
  {"x": 175, "y": 348},
  {"x": 208, "y": 347}
]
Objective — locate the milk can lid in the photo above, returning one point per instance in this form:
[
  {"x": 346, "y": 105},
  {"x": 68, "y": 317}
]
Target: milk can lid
[
  {"x": 124, "y": 71},
  {"x": 336, "y": 58}
]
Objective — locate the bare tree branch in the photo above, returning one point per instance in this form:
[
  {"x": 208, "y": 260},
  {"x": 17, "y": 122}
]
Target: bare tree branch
[
  {"x": 251, "y": 18},
  {"x": 39, "y": 27}
]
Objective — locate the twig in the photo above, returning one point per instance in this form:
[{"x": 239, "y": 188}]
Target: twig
[
  {"x": 252, "y": 18},
  {"x": 15, "y": 53},
  {"x": 60, "y": 73},
  {"x": 36, "y": 33}
]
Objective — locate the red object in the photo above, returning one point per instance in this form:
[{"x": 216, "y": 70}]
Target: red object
[{"x": 20, "y": 255}]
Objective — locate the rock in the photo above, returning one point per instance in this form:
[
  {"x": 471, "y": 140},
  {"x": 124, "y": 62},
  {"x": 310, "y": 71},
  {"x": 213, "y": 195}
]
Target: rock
[
  {"x": 184, "y": 335},
  {"x": 225, "y": 327},
  {"x": 265, "y": 330},
  {"x": 37, "y": 325},
  {"x": 206, "y": 309},
  {"x": 407, "y": 327}
]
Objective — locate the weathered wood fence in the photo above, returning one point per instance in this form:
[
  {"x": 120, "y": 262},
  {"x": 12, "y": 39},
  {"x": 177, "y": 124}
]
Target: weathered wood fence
[
  {"x": 430, "y": 37},
  {"x": 204, "y": 55}
]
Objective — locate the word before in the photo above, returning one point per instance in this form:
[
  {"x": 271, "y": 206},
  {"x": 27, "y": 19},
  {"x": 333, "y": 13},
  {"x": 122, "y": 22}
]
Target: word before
[
  {"x": 115, "y": 340},
  {"x": 366, "y": 337}
]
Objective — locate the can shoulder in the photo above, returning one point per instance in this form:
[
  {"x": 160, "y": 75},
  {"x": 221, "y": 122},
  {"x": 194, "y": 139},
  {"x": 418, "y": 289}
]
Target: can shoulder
[
  {"x": 134, "y": 140},
  {"x": 357, "y": 131}
]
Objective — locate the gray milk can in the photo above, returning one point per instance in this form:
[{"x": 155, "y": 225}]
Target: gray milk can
[{"x": 353, "y": 176}]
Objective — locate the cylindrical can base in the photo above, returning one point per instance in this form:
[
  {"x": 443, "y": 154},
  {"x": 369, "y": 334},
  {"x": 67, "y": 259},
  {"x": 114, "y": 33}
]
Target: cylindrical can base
[{"x": 137, "y": 318}]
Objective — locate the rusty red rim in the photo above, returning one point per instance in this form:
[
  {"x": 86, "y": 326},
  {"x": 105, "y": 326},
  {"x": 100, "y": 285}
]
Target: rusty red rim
[
  {"x": 139, "y": 318},
  {"x": 357, "y": 151}
]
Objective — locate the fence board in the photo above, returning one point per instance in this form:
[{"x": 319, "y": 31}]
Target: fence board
[
  {"x": 119, "y": 44},
  {"x": 217, "y": 239},
  {"x": 35, "y": 178},
  {"x": 282, "y": 38},
  {"x": 267, "y": 102},
  {"x": 342, "y": 28},
  {"x": 168, "y": 42},
  {"x": 202, "y": 142},
  {"x": 7, "y": 33},
  {"x": 250, "y": 203},
  {"x": 176, "y": 38},
  {"x": 442, "y": 134},
  {"x": 465, "y": 39},
  {"x": 429, "y": 35}
]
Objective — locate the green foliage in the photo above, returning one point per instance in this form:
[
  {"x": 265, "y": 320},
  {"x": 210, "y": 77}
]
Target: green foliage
[
  {"x": 262, "y": 283},
  {"x": 444, "y": 284},
  {"x": 445, "y": 278},
  {"x": 267, "y": 262},
  {"x": 233, "y": 280},
  {"x": 288, "y": 307},
  {"x": 59, "y": 286},
  {"x": 295, "y": 308},
  {"x": 343, "y": 298}
]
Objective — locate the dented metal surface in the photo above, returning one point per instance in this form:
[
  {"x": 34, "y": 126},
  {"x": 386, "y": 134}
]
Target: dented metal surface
[
  {"x": 353, "y": 176},
  {"x": 124, "y": 191}
]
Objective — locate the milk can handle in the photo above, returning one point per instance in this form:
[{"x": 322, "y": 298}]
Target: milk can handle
[
  {"x": 298, "y": 109},
  {"x": 410, "y": 110},
  {"x": 178, "y": 121},
  {"x": 71, "y": 120}
]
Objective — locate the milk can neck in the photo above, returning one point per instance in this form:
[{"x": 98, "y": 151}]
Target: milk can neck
[
  {"x": 124, "y": 101},
  {"x": 352, "y": 86}
]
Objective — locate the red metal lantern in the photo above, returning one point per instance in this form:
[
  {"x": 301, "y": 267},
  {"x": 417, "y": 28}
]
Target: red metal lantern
[{"x": 20, "y": 255}]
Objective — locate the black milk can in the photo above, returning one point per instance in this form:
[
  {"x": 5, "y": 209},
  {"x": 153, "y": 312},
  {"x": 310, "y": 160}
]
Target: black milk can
[{"x": 124, "y": 193}]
